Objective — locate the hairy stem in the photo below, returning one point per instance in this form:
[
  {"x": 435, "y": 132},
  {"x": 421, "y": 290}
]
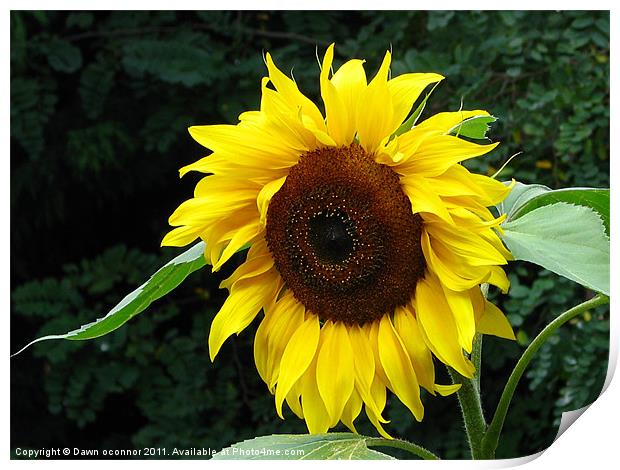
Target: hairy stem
[
  {"x": 471, "y": 407},
  {"x": 476, "y": 359}
]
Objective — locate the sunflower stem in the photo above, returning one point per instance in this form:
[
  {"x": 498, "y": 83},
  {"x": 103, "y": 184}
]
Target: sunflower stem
[
  {"x": 491, "y": 438},
  {"x": 471, "y": 407},
  {"x": 403, "y": 445},
  {"x": 476, "y": 359}
]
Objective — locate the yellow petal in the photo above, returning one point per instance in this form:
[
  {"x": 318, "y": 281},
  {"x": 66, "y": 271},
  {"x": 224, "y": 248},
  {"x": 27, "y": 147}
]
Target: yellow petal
[
  {"x": 473, "y": 248},
  {"x": 372, "y": 333},
  {"x": 407, "y": 328},
  {"x": 473, "y": 222},
  {"x": 293, "y": 400},
  {"x": 445, "y": 390},
  {"x": 350, "y": 83},
  {"x": 382, "y": 74},
  {"x": 458, "y": 181},
  {"x": 218, "y": 187},
  {"x": 398, "y": 368},
  {"x": 439, "y": 325},
  {"x": 493, "y": 322},
  {"x": 228, "y": 166},
  {"x": 492, "y": 238},
  {"x": 335, "y": 111},
  {"x": 436, "y": 125},
  {"x": 375, "y": 119},
  {"x": 499, "y": 279},
  {"x": 247, "y": 144},
  {"x": 288, "y": 89},
  {"x": 243, "y": 303},
  {"x": 477, "y": 301},
  {"x": 261, "y": 351},
  {"x": 296, "y": 358},
  {"x": 450, "y": 269},
  {"x": 438, "y": 153},
  {"x": 272, "y": 336},
  {"x": 405, "y": 90},
  {"x": 434, "y": 350},
  {"x": 181, "y": 236},
  {"x": 252, "y": 267},
  {"x": 351, "y": 411},
  {"x": 423, "y": 198},
  {"x": 364, "y": 366},
  {"x": 258, "y": 261},
  {"x": 243, "y": 236},
  {"x": 494, "y": 190},
  {"x": 379, "y": 397},
  {"x": 463, "y": 312},
  {"x": 265, "y": 195},
  {"x": 444, "y": 269},
  {"x": 290, "y": 317},
  {"x": 334, "y": 368},
  {"x": 319, "y": 133},
  {"x": 201, "y": 211},
  {"x": 219, "y": 233},
  {"x": 279, "y": 118},
  {"x": 315, "y": 414}
]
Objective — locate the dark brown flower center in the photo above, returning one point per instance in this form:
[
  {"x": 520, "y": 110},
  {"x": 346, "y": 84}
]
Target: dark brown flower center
[{"x": 343, "y": 236}]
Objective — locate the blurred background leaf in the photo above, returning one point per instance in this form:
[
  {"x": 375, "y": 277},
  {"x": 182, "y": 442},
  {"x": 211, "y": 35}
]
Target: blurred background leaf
[{"x": 100, "y": 104}]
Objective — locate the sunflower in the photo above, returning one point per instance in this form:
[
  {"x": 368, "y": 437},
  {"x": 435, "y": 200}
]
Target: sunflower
[{"x": 368, "y": 242}]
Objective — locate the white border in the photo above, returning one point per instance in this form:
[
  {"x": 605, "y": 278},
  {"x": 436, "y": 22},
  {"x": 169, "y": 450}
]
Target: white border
[{"x": 592, "y": 442}]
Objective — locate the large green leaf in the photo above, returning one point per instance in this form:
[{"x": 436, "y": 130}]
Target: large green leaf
[
  {"x": 568, "y": 239},
  {"x": 332, "y": 446},
  {"x": 596, "y": 199},
  {"x": 160, "y": 284},
  {"x": 525, "y": 198}
]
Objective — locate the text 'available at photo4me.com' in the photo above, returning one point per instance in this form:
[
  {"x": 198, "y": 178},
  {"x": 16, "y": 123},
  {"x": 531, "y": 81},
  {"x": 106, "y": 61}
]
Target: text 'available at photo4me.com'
[{"x": 75, "y": 452}]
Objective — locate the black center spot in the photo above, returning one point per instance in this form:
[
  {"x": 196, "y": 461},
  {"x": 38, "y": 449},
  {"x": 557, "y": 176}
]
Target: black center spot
[{"x": 332, "y": 236}]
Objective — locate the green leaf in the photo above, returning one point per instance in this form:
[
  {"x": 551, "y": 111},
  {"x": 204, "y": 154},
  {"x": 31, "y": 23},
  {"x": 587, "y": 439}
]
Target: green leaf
[
  {"x": 473, "y": 128},
  {"x": 525, "y": 198},
  {"x": 332, "y": 446},
  {"x": 567, "y": 239},
  {"x": 160, "y": 284},
  {"x": 520, "y": 195},
  {"x": 63, "y": 56},
  {"x": 180, "y": 61},
  {"x": 95, "y": 148},
  {"x": 97, "y": 80},
  {"x": 33, "y": 103},
  {"x": 595, "y": 199}
]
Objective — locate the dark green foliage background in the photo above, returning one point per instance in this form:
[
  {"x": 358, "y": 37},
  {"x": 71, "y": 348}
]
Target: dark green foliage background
[{"x": 100, "y": 103}]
